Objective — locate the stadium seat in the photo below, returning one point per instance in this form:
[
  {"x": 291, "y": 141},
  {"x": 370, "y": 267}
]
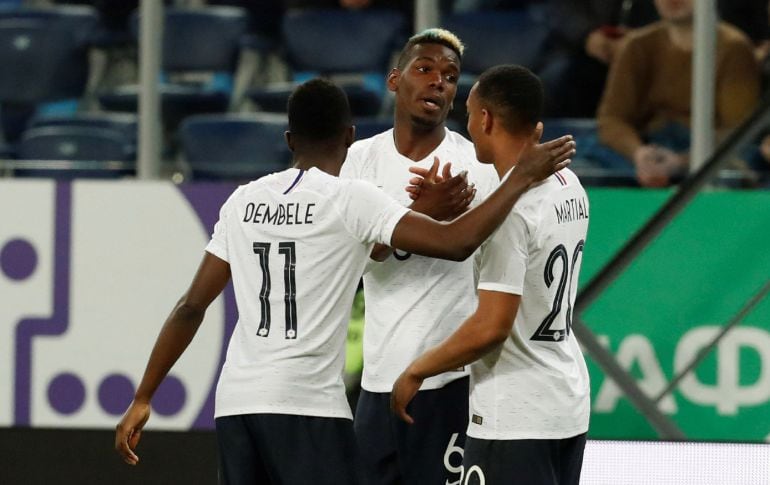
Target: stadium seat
[
  {"x": 580, "y": 128},
  {"x": 234, "y": 147},
  {"x": 353, "y": 47},
  {"x": 98, "y": 147},
  {"x": 126, "y": 123},
  {"x": 493, "y": 37},
  {"x": 200, "y": 56},
  {"x": 585, "y": 163},
  {"x": 45, "y": 57},
  {"x": 370, "y": 126}
]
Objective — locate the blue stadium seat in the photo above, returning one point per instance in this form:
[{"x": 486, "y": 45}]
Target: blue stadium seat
[
  {"x": 591, "y": 172},
  {"x": 45, "y": 57},
  {"x": 580, "y": 128},
  {"x": 235, "y": 147},
  {"x": 200, "y": 55},
  {"x": 334, "y": 42},
  {"x": 100, "y": 148},
  {"x": 370, "y": 126},
  {"x": 493, "y": 37},
  {"x": 126, "y": 123}
]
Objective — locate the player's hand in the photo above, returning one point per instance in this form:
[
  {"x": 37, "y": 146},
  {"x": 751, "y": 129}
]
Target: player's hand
[
  {"x": 428, "y": 175},
  {"x": 538, "y": 161},
  {"x": 404, "y": 389},
  {"x": 442, "y": 197},
  {"x": 129, "y": 430}
]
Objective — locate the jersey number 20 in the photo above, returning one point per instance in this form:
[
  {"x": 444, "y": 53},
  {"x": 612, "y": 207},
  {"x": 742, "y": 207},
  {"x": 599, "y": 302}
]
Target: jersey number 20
[
  {"x": 290, "y": 261},
  {"x": 544, "y": 332}
]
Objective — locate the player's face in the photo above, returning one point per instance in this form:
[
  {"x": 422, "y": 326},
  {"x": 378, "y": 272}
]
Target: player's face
[
  {"x": 475, "y": 125},
  {"x": 677, "y": 11},
  {"x": 426, "y": 87}
]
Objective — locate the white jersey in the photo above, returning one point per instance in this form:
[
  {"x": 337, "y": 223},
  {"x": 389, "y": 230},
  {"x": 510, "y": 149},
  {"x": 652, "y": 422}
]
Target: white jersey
[
  {"x": 536, "y": 385},
  {"x": 412, "y": 302},
  {"x": 297, "y": 242}
]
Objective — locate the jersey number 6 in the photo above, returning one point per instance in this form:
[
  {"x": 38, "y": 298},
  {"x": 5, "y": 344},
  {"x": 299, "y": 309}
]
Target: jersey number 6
[{"x": 290, "y": 261}]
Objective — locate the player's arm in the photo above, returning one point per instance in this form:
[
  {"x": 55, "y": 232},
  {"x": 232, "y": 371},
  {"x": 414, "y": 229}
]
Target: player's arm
[
  {"x": 440, "y": 197},
  {"x": 458, "y": 239},
  {"x": 482, "y": 332},
  {"x": 176, "y": 334}
]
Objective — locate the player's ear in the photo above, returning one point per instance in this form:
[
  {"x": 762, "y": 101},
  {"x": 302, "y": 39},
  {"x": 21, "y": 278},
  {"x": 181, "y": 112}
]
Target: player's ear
[
  {"x": 350, "y": 135},
  {"x": 289, "y": 141},
  {"x": 487, "y": 121},
  {"x": 392, "y": 79}
]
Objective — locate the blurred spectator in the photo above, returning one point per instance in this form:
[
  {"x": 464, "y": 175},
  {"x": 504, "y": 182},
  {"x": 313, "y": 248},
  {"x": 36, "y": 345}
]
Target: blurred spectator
[
  {"x": 588, "y": 33},
  {"x": 761, "y": 159},
  {"x": 644, "y": 113},
  {"x": 584, "y": 35}
]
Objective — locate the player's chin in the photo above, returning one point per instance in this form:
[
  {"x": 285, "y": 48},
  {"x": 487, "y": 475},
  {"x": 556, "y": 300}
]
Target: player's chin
[{"x": 429, "y": 120}]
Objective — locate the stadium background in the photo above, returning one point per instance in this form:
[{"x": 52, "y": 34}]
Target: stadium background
[{"x": 90, "y": 268}]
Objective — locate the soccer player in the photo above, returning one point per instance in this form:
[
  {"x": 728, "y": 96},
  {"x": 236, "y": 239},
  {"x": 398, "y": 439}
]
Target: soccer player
[
  {"x": 295, "y": 244},
  {"x": 529, "y": 400},
  {"x": 414, "y": 302}
]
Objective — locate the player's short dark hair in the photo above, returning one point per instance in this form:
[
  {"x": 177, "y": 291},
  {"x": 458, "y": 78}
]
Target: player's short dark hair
[
  {"x": 431, "y": 36},
  {"x": 514, "y": 94},
  {"x": 318, "y": 110}
]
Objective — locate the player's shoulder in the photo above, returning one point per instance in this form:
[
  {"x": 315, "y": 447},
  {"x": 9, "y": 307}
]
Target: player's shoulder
[
  {"x": 362, "y": 152},
  {"x": 336, "y": 189},
  {"x": 564, "y": 183}
]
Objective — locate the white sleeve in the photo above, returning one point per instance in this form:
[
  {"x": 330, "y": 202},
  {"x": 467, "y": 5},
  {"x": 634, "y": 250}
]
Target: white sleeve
[
  {"x": 505, "y": 255},
  {"x": 369, "y": 214},
  {"x": 218, "y": 243}
]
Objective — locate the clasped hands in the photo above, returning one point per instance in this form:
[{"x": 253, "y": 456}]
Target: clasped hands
[{"x": 442, "y": 197}]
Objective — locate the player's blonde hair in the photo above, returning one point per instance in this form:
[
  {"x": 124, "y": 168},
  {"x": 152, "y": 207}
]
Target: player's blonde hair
[{"x": 431, "y": 36}]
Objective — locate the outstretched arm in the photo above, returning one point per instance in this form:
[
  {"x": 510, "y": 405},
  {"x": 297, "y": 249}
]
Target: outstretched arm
[
  {"x": 176, "y": 334},
  {"x": 457, "y": 240},
  {"x": 441, "y": 197},
  {"x": 483, "y": 331}
]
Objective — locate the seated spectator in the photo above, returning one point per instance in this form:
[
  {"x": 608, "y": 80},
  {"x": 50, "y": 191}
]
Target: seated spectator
[
  {"x": 588, "y": 33},
  {"x": 644, "y": 114}
]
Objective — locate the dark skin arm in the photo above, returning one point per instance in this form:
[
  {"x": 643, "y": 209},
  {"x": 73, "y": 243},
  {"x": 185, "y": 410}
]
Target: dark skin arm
[
  {"x": 458, "y": 239},
  {"x": 444, "y": 198},
  {"x": 176, "y": 334},
  {"x": 481, "y": 333}
]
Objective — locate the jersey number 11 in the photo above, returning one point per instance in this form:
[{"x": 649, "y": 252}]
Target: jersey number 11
[{"x": 288, "y": 250}]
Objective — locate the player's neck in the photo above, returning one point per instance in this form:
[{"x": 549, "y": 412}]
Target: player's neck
[
  {"x": 506, "y": 153},
  {"x": 329, "y": 163},
  {"x": 415, "y": 143}
]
